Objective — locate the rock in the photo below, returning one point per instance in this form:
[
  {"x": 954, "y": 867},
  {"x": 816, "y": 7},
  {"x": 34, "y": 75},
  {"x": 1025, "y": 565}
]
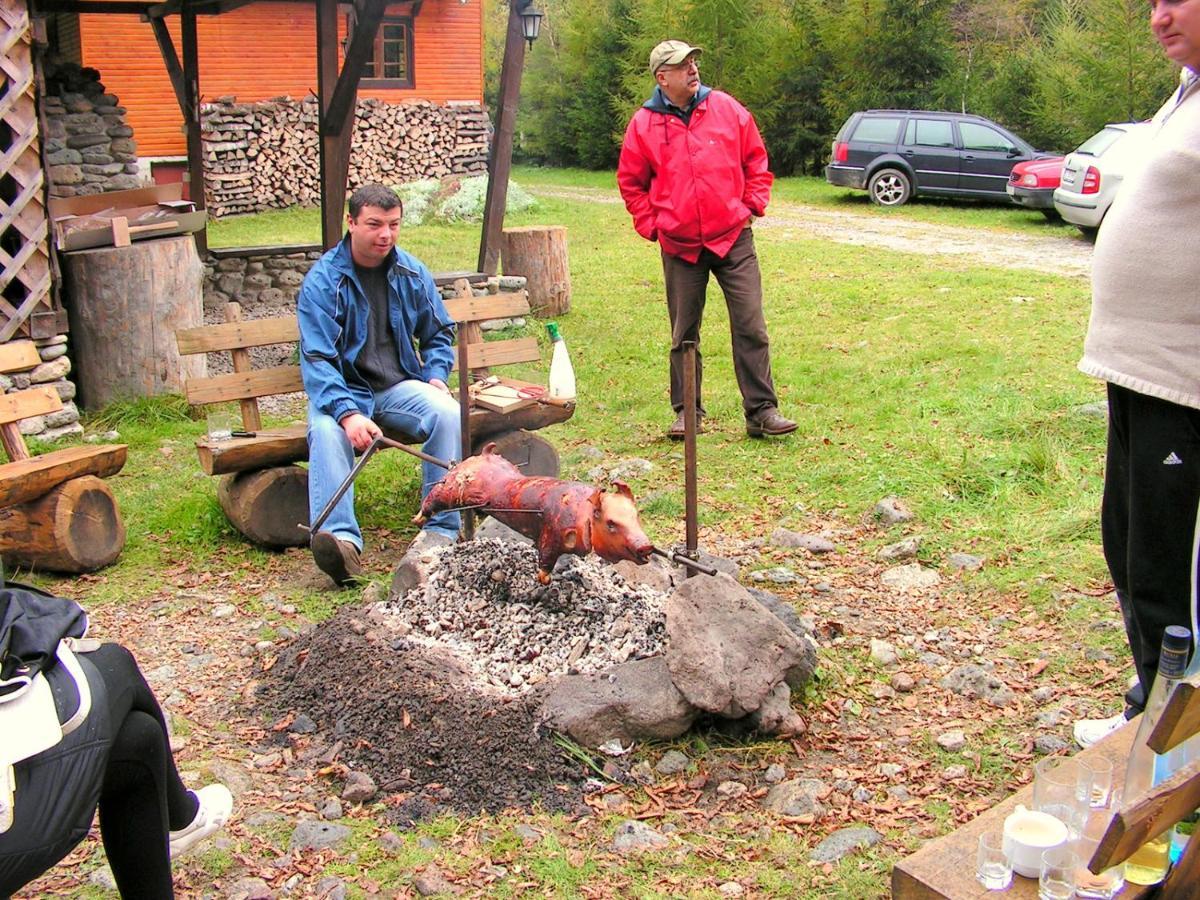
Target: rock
[
  {"x": 495, "y": 530},
  {"x": 360, "y": 788},
  {"x": 1050, "y": 718},
  {"x": 633, "y": 836},
  {"x": 912, "y": 577},
  {"x": 223, "y": 610},
  {"x": 952, "y": 741},
  {"x": 725, "y": 651},
  {"x": 775, "y": 773},
  {"x": 250, "y": 889},
  {"x": 331, "y": 888},
  {"x": 965, "y": 562},
  {"x": 1048, "y": 744},
  {"x": 731, "y": 889},
  {"x": 672, "y": 763},
  {"x": 775, "y": 714},
  {"x": 302, "y": 724},
  {"x": 658, "y": 573},
  {"x": 102, "y": 877},
  {"x": 390, "y": 842},
  {"x": 798, "y": 797},
  {"x": 891, "y": 511},
  {"x": 432, "y": 883},
  {"x": 975, "y": 681},
  {"x": 813, "y": 543},
  {"x": 953, "y": 773},
  {"x": 528, "y": 833},
  {"x": 55, "y": 370},
  {"x": 843, "y": 841},
  {"x": 1043, "y": 694},
  {"x": 777, "y": 575},
  {"x": 1097, "y": 410},
  {"x": 883, "y": 653},
  {"x": 903, "y": 683},
  {"x": 905, "y": 549},
  {"x": 889, "y": 770},
  {"x": 331, "y": 809},
  {"x": 313, "y": 835},
  {"x": 731, "y": 790},
  {"x": 264, "y": 819},
  {"x": 632, "y": 701},
  {"x": 418, "y": 560}
]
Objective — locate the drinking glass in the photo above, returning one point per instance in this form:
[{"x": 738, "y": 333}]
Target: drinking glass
[
  {"x": 1108, "y": 883},
  {"x": 1057, "y": 881},
  {"x": 1062, "y": 788},
  {"x": 1099, "y": 769},
  {"x": 992, "y": 867},
  {"x": 223, "y": 419}
]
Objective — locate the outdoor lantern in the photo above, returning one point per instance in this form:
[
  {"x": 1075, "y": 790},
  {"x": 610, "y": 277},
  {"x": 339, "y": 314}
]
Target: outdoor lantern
[{"x": 531, "y": 23}]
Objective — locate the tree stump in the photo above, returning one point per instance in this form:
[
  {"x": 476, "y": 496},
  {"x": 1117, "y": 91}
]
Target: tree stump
[
  {"x": 531, "y": 454},
  {"x": 269, "y": 506},
  {"x": 74, "y": 528},
  {"x": 125, "y": 304},
  {"x": 539, "y": 252}
]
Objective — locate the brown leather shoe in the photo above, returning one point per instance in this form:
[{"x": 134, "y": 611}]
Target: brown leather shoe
[
  {"x": 768, "y": 422},
  {"x": 337, "y": 559},
  {"x": 675, "y": 432}
]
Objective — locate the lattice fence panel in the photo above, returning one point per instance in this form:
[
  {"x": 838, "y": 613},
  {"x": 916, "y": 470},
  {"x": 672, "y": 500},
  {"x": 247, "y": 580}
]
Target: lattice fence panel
[{"x": 24, "y": 257}]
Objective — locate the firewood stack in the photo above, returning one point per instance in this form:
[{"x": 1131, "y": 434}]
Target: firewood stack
[{"x": 264, "y": 155}]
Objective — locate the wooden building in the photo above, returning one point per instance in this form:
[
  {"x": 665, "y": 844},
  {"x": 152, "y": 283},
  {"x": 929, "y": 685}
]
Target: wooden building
[{"x": 424, "y": 49}]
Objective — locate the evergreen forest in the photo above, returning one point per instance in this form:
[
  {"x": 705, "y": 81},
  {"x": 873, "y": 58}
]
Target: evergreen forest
[{"x": 1053, "y": 71}]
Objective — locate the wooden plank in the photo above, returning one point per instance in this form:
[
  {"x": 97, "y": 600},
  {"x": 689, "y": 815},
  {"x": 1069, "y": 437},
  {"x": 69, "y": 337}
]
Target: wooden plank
[
  {"x": 1181, "y": 718},
  {"x": 499, "y": 353},
  {"x": 238, "y": 335},
  {"x": 242, "y": 385},
  {"x": 34, "y": 401},
  {"x": 251, "y": 420},
  {"x": 28, "y": 479},
  {"x": 493, "y": 306},
  {"x": 265, "y": 250},
  {"x": 1148, "y": 815},
  {"x": 17, "y": 356},
  {"x": 945, "y": 867},
  {"x": 274, "y": 447},
  {"x": 442, "y": 279}
]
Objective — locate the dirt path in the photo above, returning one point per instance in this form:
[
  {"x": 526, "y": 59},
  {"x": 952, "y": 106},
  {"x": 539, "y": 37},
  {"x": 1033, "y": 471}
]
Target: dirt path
[{"x": 1055, "y": 255}]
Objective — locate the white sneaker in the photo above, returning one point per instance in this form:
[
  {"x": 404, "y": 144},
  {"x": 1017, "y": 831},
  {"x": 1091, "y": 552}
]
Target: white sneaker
[
  {"x": 216, "y": 806},
  {"x": 1089, "y": 731}
]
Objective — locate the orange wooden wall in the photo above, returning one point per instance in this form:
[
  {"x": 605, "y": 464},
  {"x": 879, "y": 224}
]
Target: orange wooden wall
[{"x": 266, "y": 50}]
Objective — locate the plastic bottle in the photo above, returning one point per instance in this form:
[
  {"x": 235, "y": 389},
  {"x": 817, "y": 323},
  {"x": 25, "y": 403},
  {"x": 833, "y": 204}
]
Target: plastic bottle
[
  {"x": 562, "y": 375},
  {"x": 1146, "y": 768}
]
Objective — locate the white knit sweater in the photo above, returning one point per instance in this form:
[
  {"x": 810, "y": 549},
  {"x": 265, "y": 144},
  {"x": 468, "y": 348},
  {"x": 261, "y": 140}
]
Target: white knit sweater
[{"x": 1145, "y": 327}]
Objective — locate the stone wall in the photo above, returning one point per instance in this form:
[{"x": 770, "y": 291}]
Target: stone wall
[
  {"x": 53, "y": 371},
  {"x": 265, "y": 155},
  {"x": 89, "y": 148}
]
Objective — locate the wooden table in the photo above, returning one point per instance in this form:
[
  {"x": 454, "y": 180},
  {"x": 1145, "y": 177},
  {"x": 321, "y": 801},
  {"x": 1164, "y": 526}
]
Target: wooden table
[{"x": 945, "y": 867}]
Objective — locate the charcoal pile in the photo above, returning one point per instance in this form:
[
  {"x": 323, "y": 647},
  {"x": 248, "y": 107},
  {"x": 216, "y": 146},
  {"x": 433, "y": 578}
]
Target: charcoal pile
[{"x": 483, "y": 601}]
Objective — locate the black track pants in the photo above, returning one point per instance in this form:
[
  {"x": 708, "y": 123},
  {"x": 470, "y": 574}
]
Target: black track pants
[{"x": 1149, "y": 521}]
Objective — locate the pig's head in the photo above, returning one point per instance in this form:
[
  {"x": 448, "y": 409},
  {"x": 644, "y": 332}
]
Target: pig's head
[{"x": 616, "y": 530}]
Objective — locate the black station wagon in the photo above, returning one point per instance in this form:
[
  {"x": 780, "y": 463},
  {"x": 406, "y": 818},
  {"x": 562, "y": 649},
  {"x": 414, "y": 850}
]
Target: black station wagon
[{"x": 894, "y": 154}]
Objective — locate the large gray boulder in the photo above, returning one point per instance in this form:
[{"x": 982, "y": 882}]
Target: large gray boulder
[
  {"x": 725, "y": 650},
  {"x": 631, "y": 701}
]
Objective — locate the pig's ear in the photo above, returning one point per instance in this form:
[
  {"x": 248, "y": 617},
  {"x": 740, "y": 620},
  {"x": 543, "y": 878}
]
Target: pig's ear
[
  {"x": 623, "y": 490},
  {"x": 596, "y": 499},
  {"x": 488, "y": 449}
]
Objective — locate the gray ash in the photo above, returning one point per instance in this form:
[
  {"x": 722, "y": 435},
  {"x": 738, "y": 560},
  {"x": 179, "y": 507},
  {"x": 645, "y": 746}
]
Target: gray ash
[{"x": 483, "y": 600}]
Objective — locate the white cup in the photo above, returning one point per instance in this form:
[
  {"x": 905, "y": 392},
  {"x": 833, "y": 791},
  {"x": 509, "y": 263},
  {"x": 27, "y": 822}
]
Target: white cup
[{"x": 1028, "y": 834}]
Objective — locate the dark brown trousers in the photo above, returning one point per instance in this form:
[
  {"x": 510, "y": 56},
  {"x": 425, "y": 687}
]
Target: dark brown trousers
[{"x": 741, "y": 282}]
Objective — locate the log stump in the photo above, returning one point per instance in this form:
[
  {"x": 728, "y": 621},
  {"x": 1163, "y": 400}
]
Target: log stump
[
  {"x": 125, "y": 304},
  {"x": 269, "y": 506},
  {"x": 531, "y": 454},
  {"x": 74, "y": 528},
  {"x": 539, "y": 252}
]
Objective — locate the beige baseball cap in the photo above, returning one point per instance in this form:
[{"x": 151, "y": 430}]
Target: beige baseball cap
[{"x": 670, "y": 53}]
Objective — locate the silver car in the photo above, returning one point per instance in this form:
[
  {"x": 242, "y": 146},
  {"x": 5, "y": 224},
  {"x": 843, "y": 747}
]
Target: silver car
[{"x": 1092, "y": 174}]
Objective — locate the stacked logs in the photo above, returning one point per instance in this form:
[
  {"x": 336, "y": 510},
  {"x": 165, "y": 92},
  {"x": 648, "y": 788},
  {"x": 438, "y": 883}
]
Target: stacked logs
[{"x": 264, "y": 155}]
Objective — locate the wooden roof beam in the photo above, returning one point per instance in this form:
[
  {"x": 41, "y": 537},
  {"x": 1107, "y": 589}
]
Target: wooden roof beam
[
  {"x": 367, "y": 16},
  {"x": 121, "y": 7},
  {"x": 171, "y": 60}
]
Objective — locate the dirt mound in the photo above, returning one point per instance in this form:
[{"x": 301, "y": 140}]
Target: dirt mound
[{"x": 414, "y": 719}]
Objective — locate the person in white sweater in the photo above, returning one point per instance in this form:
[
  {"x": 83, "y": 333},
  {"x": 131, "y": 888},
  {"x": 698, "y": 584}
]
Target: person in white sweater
[{"x": 1144, "y": 341}]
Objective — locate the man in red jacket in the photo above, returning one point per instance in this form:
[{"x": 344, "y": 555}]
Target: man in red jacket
[{"x": 693, "y": 172}]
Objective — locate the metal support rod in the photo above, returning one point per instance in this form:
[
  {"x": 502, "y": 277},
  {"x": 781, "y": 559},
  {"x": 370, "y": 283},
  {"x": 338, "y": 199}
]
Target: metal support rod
[
  {"x": 376, "y": 444},
  {"x": 688, "y": 562},
  {"x": 464, "y": 411},
  {"x": 691, "y": 512}
]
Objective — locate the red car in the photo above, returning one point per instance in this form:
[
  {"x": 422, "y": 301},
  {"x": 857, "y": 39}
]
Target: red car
[{"x": 1032, "y": 184}]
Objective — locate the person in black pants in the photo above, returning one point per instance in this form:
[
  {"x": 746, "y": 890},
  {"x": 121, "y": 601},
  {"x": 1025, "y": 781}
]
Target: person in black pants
[{"x": 120, "y": 761}]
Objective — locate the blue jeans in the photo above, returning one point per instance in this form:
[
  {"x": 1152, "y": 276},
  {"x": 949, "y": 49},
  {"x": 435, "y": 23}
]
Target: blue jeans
[{"x": 414, "y": 407}]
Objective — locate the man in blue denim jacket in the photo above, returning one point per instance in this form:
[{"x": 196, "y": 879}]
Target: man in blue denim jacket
[{"x": 377, "y": 345}]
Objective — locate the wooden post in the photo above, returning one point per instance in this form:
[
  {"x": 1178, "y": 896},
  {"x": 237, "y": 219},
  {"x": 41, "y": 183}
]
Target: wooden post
[
  {"x": 191, "y": 81},
  {"x": 539, "y": 252},
  {"x": 500, "y": 159},
  {"x": 335, "y": 164}
]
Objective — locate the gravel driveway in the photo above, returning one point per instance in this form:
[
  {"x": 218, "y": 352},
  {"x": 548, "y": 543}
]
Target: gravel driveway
[{"x": 1056, "y": 255}]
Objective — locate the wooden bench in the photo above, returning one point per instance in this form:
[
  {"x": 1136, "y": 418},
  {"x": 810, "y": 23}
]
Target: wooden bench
[
  {"x": 55, "y": 512},
  {"x": 262, "y": 491},
  {"x": 945, "y": 867}
]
